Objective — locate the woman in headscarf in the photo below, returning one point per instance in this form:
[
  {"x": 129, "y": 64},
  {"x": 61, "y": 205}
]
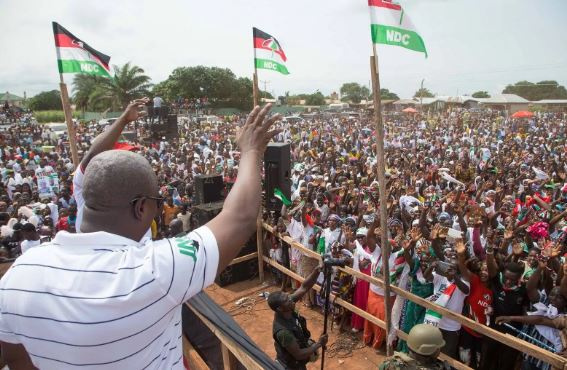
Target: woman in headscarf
[{"x": 362, "y": 262}]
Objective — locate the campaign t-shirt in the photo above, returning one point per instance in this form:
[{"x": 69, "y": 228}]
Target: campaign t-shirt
[
  {"x": 479, "y": 299},
  {"x": 455, "y": 304}
]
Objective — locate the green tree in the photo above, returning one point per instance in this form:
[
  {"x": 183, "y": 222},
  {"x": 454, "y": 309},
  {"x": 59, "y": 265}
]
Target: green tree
[
  {"x": 266, "y": 95},
  {"x": 84, "y": 87},
  {"x": 46, "y": 100},
  {"x": 354, "y": 92},
  {"x": 423, "y": 93},
  {"x": 219, "y": 85},
  {"x": 386, "y": 94},
  {"x": 129, "y": 83},
  {"x": 241, "y": 94},
  {"x": 316, "y": 98},
  {"x": 537, "y": 91},
  {"x": 481, "y": 94}
]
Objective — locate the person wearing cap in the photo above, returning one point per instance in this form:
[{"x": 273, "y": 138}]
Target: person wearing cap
[{"x": 424, "y": 343}]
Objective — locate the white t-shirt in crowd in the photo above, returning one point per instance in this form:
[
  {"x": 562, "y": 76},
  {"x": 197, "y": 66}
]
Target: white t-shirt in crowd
[
  {"x": 28, "y": 244},
  {"x": 157, "y": 102},
  {"x": 99, "y": 300},
  {"x": 44, "y": 171},
  {"x": 377, "y": 263},
  {"x": 455, "y": 303},
  {"x": 331, "y": 236}
]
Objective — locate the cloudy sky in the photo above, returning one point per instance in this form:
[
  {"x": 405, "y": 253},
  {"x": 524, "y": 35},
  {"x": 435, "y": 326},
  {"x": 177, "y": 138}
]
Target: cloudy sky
[{"x": 472, "y": 45}]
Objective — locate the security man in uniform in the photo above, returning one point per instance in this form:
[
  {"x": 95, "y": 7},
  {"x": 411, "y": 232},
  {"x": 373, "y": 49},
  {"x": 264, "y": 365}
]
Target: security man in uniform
[
  {"x": 294, "y": 348},
  {"x": 425, "y": 343}
]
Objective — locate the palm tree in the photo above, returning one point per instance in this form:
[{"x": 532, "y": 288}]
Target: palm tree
[
  {"x": 129, "y": 83},
  {"x": 84, "y": 86}
]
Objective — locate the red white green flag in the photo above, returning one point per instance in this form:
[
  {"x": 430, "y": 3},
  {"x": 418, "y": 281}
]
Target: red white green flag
[
  {"x": 76, "y": 56},
  {"x": 268, "y": 53},
  {"x": 391, "y": 26}
]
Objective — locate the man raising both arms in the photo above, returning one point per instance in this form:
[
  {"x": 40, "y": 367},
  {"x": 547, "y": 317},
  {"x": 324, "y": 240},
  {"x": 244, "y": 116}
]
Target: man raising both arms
[{"x": 105, "y": 299}]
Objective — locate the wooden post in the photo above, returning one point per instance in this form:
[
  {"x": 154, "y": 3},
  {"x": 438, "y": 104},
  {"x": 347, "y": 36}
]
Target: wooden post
[
  {"x": 255, "y": 93},
  {"x": 69, "y": 120},
  {"x": 381, "y": 169},
  {"x": 259, "y": 228}
]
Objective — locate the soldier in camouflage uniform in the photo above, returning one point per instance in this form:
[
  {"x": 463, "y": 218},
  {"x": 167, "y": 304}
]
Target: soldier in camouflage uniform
[{"x": 425, "y": 343}]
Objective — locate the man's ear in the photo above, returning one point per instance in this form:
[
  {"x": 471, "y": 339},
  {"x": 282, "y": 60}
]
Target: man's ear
[{"x": 139, "y": 207}]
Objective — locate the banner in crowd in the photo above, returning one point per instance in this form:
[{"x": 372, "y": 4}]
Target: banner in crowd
[
  {"x": 76, "y": 56},
  {"x": 391, "y": 26},
  {"x": 48, "y": 185},
  {"x": 268, "y": 53}
]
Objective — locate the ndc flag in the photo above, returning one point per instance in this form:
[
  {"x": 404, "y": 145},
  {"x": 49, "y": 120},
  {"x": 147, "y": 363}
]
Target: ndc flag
[
  {"x": 268, "y": 53},
  {"x": 76, "y": 56},
  {"x": 390, "y": 25}
]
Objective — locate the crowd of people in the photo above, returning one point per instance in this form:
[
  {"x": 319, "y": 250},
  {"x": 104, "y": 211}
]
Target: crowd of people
[
  {"x": 477, "y": 223},
  {"x": 477, "y": 207}
]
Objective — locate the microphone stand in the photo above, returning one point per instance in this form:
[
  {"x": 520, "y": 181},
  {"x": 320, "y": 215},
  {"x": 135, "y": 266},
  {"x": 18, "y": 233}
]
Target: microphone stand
[{"x": 327, "y": 273}]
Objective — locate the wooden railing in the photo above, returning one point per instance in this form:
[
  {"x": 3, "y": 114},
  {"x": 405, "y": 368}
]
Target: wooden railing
[
  {"x": 230, "y": 349},
  {"x": 553, "y": 359}
]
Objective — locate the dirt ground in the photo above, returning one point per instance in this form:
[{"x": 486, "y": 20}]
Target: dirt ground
[{"x": 258, "y": 324}]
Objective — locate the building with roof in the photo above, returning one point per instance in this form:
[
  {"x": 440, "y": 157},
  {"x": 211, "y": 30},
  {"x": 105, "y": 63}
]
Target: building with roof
[
  {"x": 511, "y": 103},
  {"x": 11, "y": 99},
  {"x": 551, "y": 105}
]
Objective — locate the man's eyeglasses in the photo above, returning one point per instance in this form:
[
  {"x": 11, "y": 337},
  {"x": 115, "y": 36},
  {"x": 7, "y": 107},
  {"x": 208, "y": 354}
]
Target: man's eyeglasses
[{"x": 159, "y": 200}]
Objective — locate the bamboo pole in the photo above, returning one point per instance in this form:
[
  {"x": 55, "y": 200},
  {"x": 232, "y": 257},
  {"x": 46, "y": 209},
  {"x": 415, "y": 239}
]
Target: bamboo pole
[
  {"x": 69, "y": 121},
  {"x": 381, "y": 169},
  {"x": 259, "y": 229}
]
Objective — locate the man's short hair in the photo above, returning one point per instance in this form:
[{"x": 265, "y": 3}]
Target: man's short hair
[
  {"x": 515, "y": 267},
  {"x": 275, "y": 300}
]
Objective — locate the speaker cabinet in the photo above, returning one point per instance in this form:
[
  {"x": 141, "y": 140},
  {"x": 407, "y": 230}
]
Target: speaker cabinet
[
  {"x": 208, "y": 189},
  {"x": 277, "y": 168}
]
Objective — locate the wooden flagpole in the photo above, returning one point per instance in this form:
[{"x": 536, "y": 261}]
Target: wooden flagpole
[
  {"x": 69, "y": 120},
  {"x": 259, "y": 228},
  {"x": 381, "y": 169}
]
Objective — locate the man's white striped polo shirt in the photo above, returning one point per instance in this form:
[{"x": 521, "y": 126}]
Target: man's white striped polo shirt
[{"x": 101, "y": 301}]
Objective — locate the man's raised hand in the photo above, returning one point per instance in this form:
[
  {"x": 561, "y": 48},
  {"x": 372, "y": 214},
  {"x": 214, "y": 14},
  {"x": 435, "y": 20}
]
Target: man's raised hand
[
  {"x": 256, "y": 134},
  {"x": 133, "y": 111}
]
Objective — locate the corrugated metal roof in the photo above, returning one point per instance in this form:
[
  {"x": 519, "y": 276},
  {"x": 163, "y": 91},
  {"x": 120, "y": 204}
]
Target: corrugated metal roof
[
  {"x": 10, "y": 97},
  {"x": 504, "y": 99},
  {"x": 550, "y": 101}
]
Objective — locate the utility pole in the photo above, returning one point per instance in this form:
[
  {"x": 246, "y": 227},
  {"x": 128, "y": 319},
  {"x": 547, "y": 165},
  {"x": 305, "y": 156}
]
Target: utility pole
[
  {"x": 266, "y": 83},
  {"x": 421, "y": 96}
]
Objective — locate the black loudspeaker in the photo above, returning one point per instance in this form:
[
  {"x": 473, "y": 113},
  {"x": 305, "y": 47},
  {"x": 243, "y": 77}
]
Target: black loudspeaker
[
  {"x": 240, "y": 271},
  {"x": 172, "y": 122},
  {"x": 164, "y": 112},
  {"x": 277, "y": 168},
  {"x": 208, "y": 189},
  {"x": 203, "y": 213}
]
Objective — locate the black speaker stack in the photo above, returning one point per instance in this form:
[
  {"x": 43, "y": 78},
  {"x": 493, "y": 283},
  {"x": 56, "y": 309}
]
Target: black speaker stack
[
  {"x": 205, "y": 212},
  {"x": 167, "y": 127},
  {"x": 208, "y": 189},
  {"x": 240, "y": 271},
  {"x": 277, "y": 168}
]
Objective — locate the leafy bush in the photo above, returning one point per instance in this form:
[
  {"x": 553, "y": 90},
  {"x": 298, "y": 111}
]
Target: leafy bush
[{"x": 52, "y": 116}]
